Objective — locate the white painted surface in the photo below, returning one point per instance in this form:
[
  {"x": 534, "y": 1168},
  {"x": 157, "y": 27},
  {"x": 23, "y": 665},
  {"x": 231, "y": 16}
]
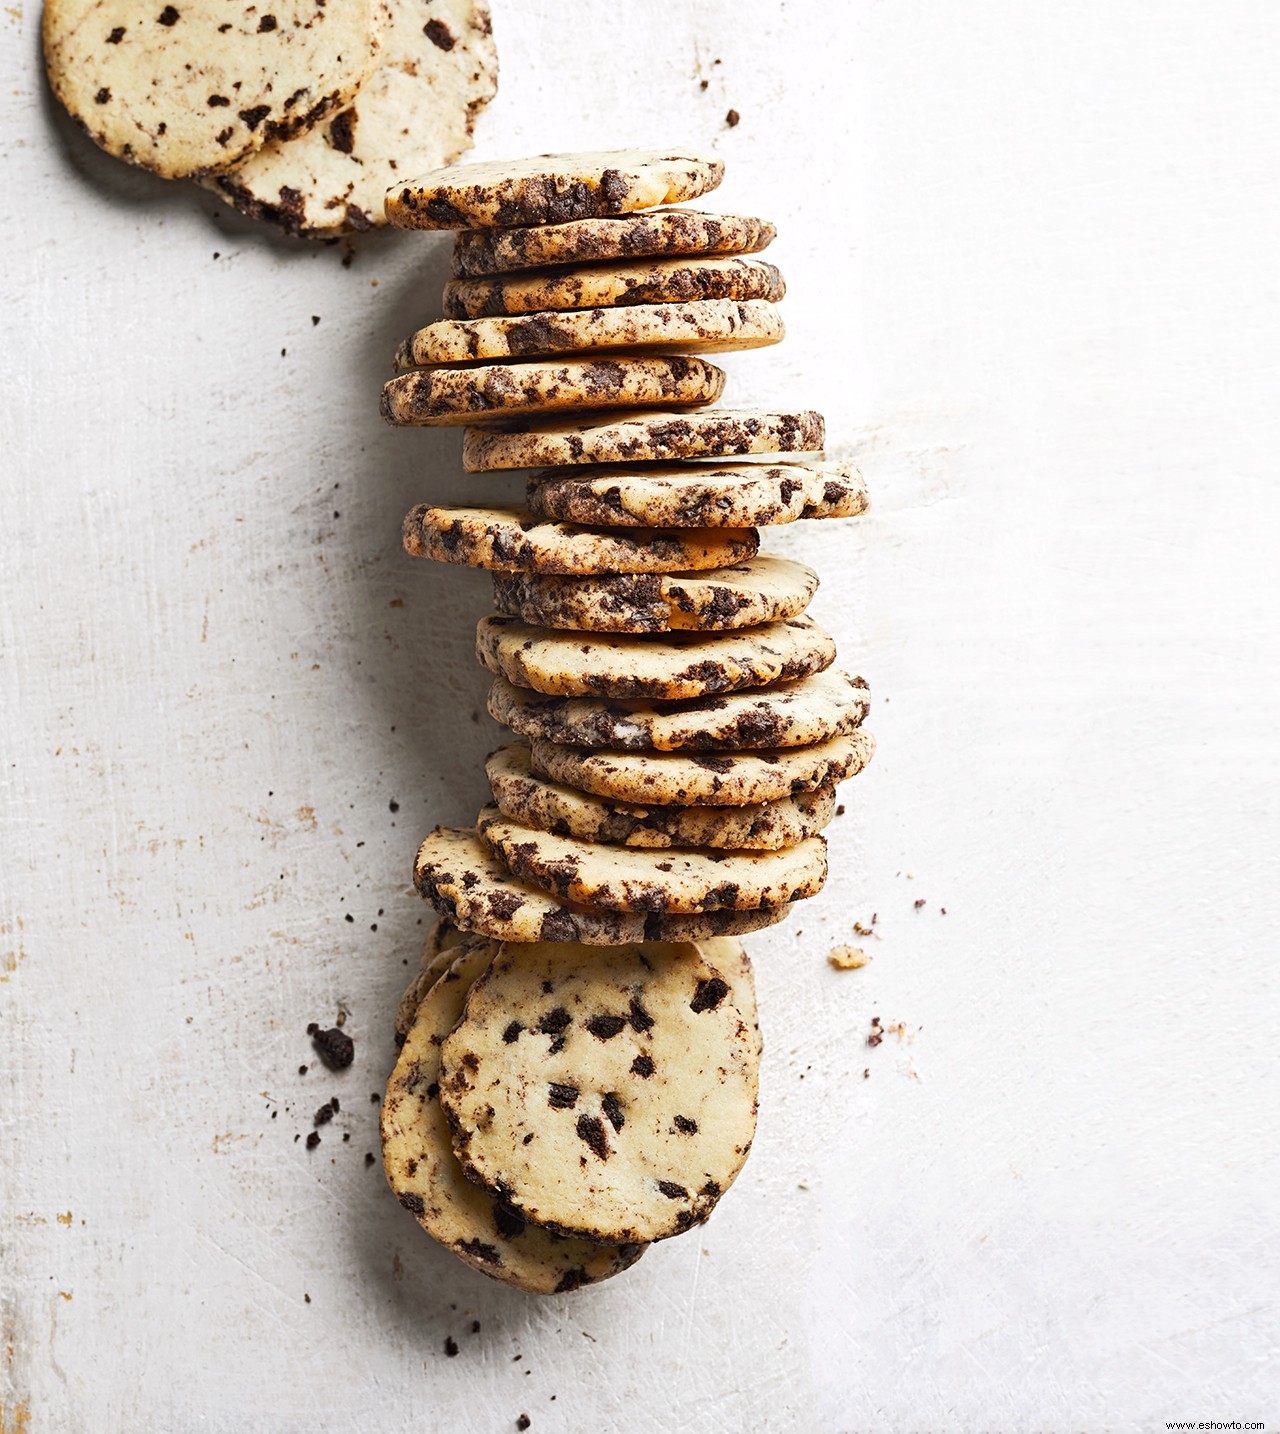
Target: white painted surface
[{"x": 1031, "y": 257}]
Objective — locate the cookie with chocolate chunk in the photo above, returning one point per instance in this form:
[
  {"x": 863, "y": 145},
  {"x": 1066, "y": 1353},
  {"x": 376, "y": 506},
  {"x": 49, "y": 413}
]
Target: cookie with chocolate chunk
[
  {"x": 608, "y": 1095},
  {"x": 630, "y": 438},
  {"x": 761, "y": 589},
  {"x": 193, "y": 88},
  {"x": 495, "y": 392},
  {"x": 698, "y": 495},
  {"x": 507, "y": 538},
  {"x": 671, "y": 666},
  {"x": 660, "y": 233},
  {"x": 423, "y": 1172},
  {"x": 550, "y": 189},
  {"x": 718, "y": 779},
  {"x": 592, "y": 286},
  {"x": 702, "y": 326},
  {"x": 679, "y": 879},
  {"x": 788, "y": 714},
  {"x": 466, "y": 883}
]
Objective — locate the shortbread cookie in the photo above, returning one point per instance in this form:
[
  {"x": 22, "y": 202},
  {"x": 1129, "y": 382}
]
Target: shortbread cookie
[
  {"x": 546, "y": 805},
  {"x": 606, "y": 1095},
  {"x": 647, "y": 281},
  {"x": 728, "y": 954},
  {"x": 192, "y": 88},
  {"x": 719, "y": 779},
  {"x": 790, "y": 714},
  {"x": 657, "y": 234},
  {"x": 550, "y": 189},
  {"x": 422, "y": 1170},
  {"x": 438, "y": 951},
  {"x": 671, "y": 666},
  {"x": 508, "y": 538},
  {"x": 698, "y": 495},
  {"x": 630, "y": 438},
  {"x": 437, "y": 69},
  {"x": 761, "y": 589},
  {"x": 465, "y": 882},
  {"x": 679, "y": 879},
  {"x": 493, "y": 392},
  {"x": 702, "y": 326}
]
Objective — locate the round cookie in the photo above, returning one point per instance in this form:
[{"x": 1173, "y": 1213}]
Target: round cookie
[
  {"x": 698, "y": 495},
  {"x": 606, "y": 1095},
  {"x": 670, "y": 666},
  {"x": 422, "y": 1170},
  {"x": 657, "y": 234},
  {"x": 628, "y": 438},
  {"x": 647, "y": 281},
  {"x": 680, "y": 779},
  {"x": 761, "y": 589},
  {"x": 550, "y": 189},
  {"x": 790, "y": 714},
  {"x": 494, "y": 392},
  {"x": 703, "y": 325},
  {"x": 437, "y": 952},
  {"x": 508, "y": 538},
  {"x": 415, "y": 112},
  {"x": 685, "y": 880},
  {"x": 192, "y": 88},
  {"x": 538, "y": 802},
  {"x": 466, "y": 883},
  {"x": 729, "y": 955}
]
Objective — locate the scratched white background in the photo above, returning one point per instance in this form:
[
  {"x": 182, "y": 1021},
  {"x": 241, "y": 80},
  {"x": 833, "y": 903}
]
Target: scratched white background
[{"x": 1031, "y": 257}]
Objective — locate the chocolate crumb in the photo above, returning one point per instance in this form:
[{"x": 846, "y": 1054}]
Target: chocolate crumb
[
  {"x": 523, "y": 1422},
  {"x": 732, "y": 118},
  {"x": 877, "y": 1034},
  {"x": 475, "y": 1326},
  {"x": 919, "y": 903},
  {"x": 313, "y": 1140},
  {"x": 334, "y": 1047},
  {"x": 368, "y": 1157},
  {"x": 451, "y": 1347}
]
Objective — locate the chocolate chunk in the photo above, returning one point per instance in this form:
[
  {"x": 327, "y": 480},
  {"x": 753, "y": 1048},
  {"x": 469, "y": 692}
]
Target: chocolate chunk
[
  {"x": 562, "y": 1097},
  {"x": 673, "y": 1191},
  {"x": 709, "y": 994},
  {"x": 606, "y": 1027},
  {"x": 612, "y": 1108},
  {"x": 590, "y": 1129}
]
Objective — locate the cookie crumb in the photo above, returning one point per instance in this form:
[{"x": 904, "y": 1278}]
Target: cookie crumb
[
  {"x": 847, "y": 958},
  {"x": 475, "y": 1326},
  {"x": 919, "y": 903},
  {"x": 523, "y": 1422},
  {"x": 334, "y": 1047},
  {"x": 877, "y": 1034},
  {"x": 840, "y": 810},
  {"x": 313, "y": 1140},
  {"x": 368, "y": 1157},
  {"x": 451, "y": 1347},
  {"x": 307, "y": 1298},
  {"x": 732, "y": 119},
  {"x": 315, "y": 319}
]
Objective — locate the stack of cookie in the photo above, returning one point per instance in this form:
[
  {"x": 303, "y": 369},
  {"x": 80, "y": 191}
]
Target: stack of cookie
[{"x": 578, "y": 1071}]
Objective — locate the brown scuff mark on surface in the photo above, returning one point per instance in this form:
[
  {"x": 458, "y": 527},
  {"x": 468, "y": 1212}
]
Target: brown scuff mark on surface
[
  {"x": 11, "y": 958},
  {"x": 307, "y": 816},
  {"x": 65, "y": 1219},
  {"x": 16, "y": 1418},
  {"x": 226, "y": 1139}
]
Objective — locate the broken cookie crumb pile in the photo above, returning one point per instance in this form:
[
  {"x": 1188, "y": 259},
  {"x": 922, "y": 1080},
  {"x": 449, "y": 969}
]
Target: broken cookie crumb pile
[{"x": 579, "y": 1050}]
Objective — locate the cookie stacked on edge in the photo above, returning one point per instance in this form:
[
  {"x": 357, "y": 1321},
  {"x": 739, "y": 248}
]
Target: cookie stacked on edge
[{"x": 579, "y": 1060}]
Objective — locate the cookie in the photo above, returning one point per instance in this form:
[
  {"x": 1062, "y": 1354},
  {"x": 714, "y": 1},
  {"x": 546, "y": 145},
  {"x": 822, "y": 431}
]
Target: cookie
[
  {"x": 790, "y": 714},
  {"x": 698, "y": 495},
  {"x": 660, "y": 233},
  {"x": 466, "y": 883},
  {"x": 508, "y": 538},
  {"x": 728, "y": 954},
  {"x": 719, "y": 779},
  {"x": 671, "y": 666},
  {"x": 422, "y": 1170},
  {"x": 702, "y": 326},
  {"x": 647, "y": 281},
  {"x": 605, "y": 1095},
  {"x": 538, "y": 802},
  {"x": 681, "y": 879},
  {"x": 438, "y": 951},
  {"x": 550, "y": 189},
  {"x": 761, "y": 589},
  {"x": 629, "y": 438},
  {"x": 492, "y": 392},
  {"x": 436, "y": 70},
  {"x": 193, "y": 88}
]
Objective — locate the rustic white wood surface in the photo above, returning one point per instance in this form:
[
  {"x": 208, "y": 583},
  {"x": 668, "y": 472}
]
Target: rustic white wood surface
[{"x": 1031, "y": 257}]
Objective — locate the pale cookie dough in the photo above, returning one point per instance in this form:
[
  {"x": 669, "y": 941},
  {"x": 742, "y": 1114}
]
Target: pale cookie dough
[
  {"x": 680, "y": 879},
  {"x": 790, "y": 714},
  {"x": 671, "y": 666},
  {"x": 698, "y": 495},
  {"x": 607, "y": 1095},
  {"x": 508, "y": 538},
  {"x": 422, "y": 1170},
  {"x": 461, "y": 877},
  {"x": 629, "y": 438},
  {"x": 726, "y": 779},
  {"x": 761, "y": 589},
  {"x": 647, "y": 281},
  {"x": 437, "y": 69},
  {"x": 659, "y": 233},
  {"x": 192, "y": 88},
  {"x": 539, "y": 802},
  {"x": 496, "y": 392},
  {"x": 550, "y": 189},
  {"x": 702, "y": 326}
]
